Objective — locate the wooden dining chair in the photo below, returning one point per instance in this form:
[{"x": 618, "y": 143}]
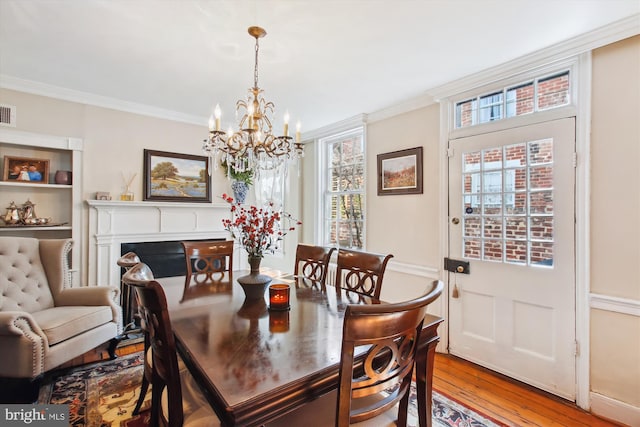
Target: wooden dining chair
[
  {"x": 361, "y": 272},
  {"x": 312, "y": 262},
  {"x": 379, "y": 346},
  {"x": 176, "y": 399},
  {"x": 209, "y": 266},
  {"x": 139, "y": 273}
]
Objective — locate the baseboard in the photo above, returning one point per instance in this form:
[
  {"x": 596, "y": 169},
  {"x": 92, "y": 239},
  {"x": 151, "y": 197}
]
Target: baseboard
[{"x": 614, "y": 410}]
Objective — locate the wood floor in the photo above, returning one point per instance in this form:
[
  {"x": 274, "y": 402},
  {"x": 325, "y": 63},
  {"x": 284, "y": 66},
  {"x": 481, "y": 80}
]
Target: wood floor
[
  {"x": 506, "y": 400},
  {"x": 494, "y": 395}
]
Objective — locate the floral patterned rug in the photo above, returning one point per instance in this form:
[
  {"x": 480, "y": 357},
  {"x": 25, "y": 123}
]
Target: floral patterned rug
[{"x": 104, "y": 395}]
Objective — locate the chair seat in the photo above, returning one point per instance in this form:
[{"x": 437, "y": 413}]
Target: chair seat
[
  {"x": 323, "y": 413},
  {"x": 196, "y": 408},
  {"x": 62, "y": 323}
]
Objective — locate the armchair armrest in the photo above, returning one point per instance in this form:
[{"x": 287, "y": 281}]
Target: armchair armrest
[
  {"x": 28, "y": 344},
  {"x": 19, "y": 323},
  {"x": 93, "y": 296}
]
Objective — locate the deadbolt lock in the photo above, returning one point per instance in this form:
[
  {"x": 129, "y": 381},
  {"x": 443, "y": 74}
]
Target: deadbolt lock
[{"x": 460, "y": 269}]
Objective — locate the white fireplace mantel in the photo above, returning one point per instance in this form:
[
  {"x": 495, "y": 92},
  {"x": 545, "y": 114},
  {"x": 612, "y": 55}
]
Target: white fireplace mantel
[{"x": 112, "y": 223}]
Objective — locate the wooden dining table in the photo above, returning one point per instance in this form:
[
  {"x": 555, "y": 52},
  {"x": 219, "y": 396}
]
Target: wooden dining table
[{"x": 254, "y": 364}]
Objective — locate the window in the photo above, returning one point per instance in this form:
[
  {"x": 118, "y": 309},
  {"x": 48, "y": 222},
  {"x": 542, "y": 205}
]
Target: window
[
  {"x": 525, "y": 98},
  {"x": 343, "y": 195}
]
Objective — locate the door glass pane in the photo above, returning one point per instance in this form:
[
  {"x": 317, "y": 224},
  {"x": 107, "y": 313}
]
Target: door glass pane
[
  {"x": 553, "y": 91},
  {"x": 514, "y": 221}
]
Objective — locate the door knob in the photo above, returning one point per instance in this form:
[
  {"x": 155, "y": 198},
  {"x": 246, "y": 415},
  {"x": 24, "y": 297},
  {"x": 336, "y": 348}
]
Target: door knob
[
  {"x": 455, "y": 221},
  {"x": 460, "y": 269}
]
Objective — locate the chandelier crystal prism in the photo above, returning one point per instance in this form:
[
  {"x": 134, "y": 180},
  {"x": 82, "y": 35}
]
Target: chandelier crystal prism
[{"x": 253, "y": 146}]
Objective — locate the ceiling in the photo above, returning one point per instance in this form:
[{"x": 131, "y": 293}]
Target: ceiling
[{"x": 323, "y": 60}]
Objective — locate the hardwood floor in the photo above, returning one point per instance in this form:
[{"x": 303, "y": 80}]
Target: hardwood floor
[{"x": 504, "y": 399}]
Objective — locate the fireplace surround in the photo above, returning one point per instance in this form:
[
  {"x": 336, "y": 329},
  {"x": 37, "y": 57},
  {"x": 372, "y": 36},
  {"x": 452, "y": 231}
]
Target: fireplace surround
[{"x": 113, "y": 224}]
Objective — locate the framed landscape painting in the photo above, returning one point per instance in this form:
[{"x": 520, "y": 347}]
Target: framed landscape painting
[
  {"x": 175, "y": 177},
  {"x": 400, "y": 172}
]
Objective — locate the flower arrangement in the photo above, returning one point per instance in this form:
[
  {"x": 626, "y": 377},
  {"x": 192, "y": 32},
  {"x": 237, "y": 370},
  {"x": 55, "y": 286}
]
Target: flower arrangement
[{"x": 258, "y": 230}]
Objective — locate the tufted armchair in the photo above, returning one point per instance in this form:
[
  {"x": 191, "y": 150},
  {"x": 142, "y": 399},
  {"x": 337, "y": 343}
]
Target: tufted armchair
[{"x": 43, "y": 321}]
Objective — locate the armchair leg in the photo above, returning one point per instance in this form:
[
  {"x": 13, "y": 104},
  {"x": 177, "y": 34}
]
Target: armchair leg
[{"x": 113, "y": 345}]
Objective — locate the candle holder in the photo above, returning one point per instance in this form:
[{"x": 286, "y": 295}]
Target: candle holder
[{"x": 279, "y": 297}]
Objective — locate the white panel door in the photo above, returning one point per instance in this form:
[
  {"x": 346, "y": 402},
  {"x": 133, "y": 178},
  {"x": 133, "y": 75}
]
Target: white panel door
[{"x": 511, "y": 215}]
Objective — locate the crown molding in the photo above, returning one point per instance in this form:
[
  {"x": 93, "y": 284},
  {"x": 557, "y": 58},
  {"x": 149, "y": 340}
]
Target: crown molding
[
  {"x": 619, "y": 30},
  {"x": 405, "y": 106},
  {"x": 51, "y": 91},
  {"x": 337, "y": 127}
]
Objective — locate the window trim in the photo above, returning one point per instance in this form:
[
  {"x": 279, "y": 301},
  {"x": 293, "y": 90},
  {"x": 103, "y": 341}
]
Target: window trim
[{"x": 322, "y": 168}]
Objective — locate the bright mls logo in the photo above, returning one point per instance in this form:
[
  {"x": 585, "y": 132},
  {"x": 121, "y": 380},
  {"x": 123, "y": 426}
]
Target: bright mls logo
[{"x": 38, "y": 415}]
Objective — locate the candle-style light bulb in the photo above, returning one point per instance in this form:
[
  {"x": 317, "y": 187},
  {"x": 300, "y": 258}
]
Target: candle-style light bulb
[
  {"x": 229, "y": 132},
  {"x": 298, "y": 131},
  {"x": 211, "y": 123},
  {"x": 250, "y": 116},
  {"x": 286, "y": 124},
  {"x": 217, "y": 112}
]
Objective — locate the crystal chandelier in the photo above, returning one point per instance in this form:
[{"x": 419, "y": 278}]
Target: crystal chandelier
[{"x": 253, "y": 146}]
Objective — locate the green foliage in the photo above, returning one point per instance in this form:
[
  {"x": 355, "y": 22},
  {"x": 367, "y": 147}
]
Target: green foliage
[
  {"x": 246, "y": 176},
  {"x": 164, "y": 170}
]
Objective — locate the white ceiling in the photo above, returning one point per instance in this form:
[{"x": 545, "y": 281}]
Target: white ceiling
[{"x": 323, "y": 60}]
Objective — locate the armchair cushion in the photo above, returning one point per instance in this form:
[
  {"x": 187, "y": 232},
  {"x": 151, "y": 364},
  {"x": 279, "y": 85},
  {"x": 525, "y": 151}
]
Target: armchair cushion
[{"x": 62, "y": 323}]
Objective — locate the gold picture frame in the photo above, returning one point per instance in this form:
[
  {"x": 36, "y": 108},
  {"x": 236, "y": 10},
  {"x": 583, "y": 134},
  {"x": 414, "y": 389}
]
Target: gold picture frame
[{"x": 26, "y": 170}]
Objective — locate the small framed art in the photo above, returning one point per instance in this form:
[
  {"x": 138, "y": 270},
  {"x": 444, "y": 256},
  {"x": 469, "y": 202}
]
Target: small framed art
[
  {"x": 26, "y": 170},
  {"x": 400, "y": 172}
]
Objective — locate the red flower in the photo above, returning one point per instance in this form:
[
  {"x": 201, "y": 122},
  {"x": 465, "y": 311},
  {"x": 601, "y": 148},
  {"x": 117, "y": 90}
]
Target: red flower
[{"x": 258, "y": 230}]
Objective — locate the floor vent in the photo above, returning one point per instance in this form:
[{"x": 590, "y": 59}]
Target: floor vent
[{"x": 7, "y": 115}]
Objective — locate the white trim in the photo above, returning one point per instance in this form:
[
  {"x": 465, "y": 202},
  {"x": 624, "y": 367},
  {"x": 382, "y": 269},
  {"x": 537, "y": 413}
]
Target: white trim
[
  {"x": 414, "y": 269},
  {"x": 406, "y": 106},
  {"x": 615, "y": 410},
  {"x": 443, "y": 218},
  {"x": 336, "y": 128},
  {"x": 43, "y": 89},
  {"x": 582, "y": 102},
  {"x": 619, "y": 30},
  {"x": 615, "y": 304}
]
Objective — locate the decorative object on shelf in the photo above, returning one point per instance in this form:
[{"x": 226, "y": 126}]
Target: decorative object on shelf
[
  {"x": 25, "y": 216},
  {"x": 26, "y": 170},
  {"x": 400, "y": 172},
  {"x": 279, "y": 297},
  {"x": 127, "y": 195},
  {"x": 259, "y": 231},
  {"x": 174, "y": 177},
  {"x": 13, "y": 214},
  {"x": 253, "y": 146},
  {"x": 62, "y": 177},
  {"x": 103, "y": 195},
  {"x": 240, "y": 190}
]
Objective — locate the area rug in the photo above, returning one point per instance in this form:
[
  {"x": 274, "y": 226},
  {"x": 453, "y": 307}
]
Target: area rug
[
  {"x": 101, "y": 394},
  {"x": 104, "y": 395}
]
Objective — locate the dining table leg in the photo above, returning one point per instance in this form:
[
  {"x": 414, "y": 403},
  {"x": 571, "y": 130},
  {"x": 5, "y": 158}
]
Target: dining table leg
[{"x": 424, "y": 372}]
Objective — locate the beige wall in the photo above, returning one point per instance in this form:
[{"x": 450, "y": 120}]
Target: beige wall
[{"x": 615, "y": 218}]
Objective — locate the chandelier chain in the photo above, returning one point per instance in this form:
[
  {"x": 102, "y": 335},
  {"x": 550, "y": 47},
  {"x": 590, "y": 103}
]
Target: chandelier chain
[{"x": 255, "y": 68}]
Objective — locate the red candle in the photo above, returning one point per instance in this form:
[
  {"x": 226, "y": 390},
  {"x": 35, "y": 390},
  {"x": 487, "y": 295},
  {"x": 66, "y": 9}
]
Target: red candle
[{"x": 279, "y": 297}]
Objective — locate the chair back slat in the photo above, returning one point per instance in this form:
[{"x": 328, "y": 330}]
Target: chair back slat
[
  {"x": 209, "y": 266},
  {"x": 389, "y": 335},
  {"x": 361, "y": 272},
  {"x": 312, "y": 262}
]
